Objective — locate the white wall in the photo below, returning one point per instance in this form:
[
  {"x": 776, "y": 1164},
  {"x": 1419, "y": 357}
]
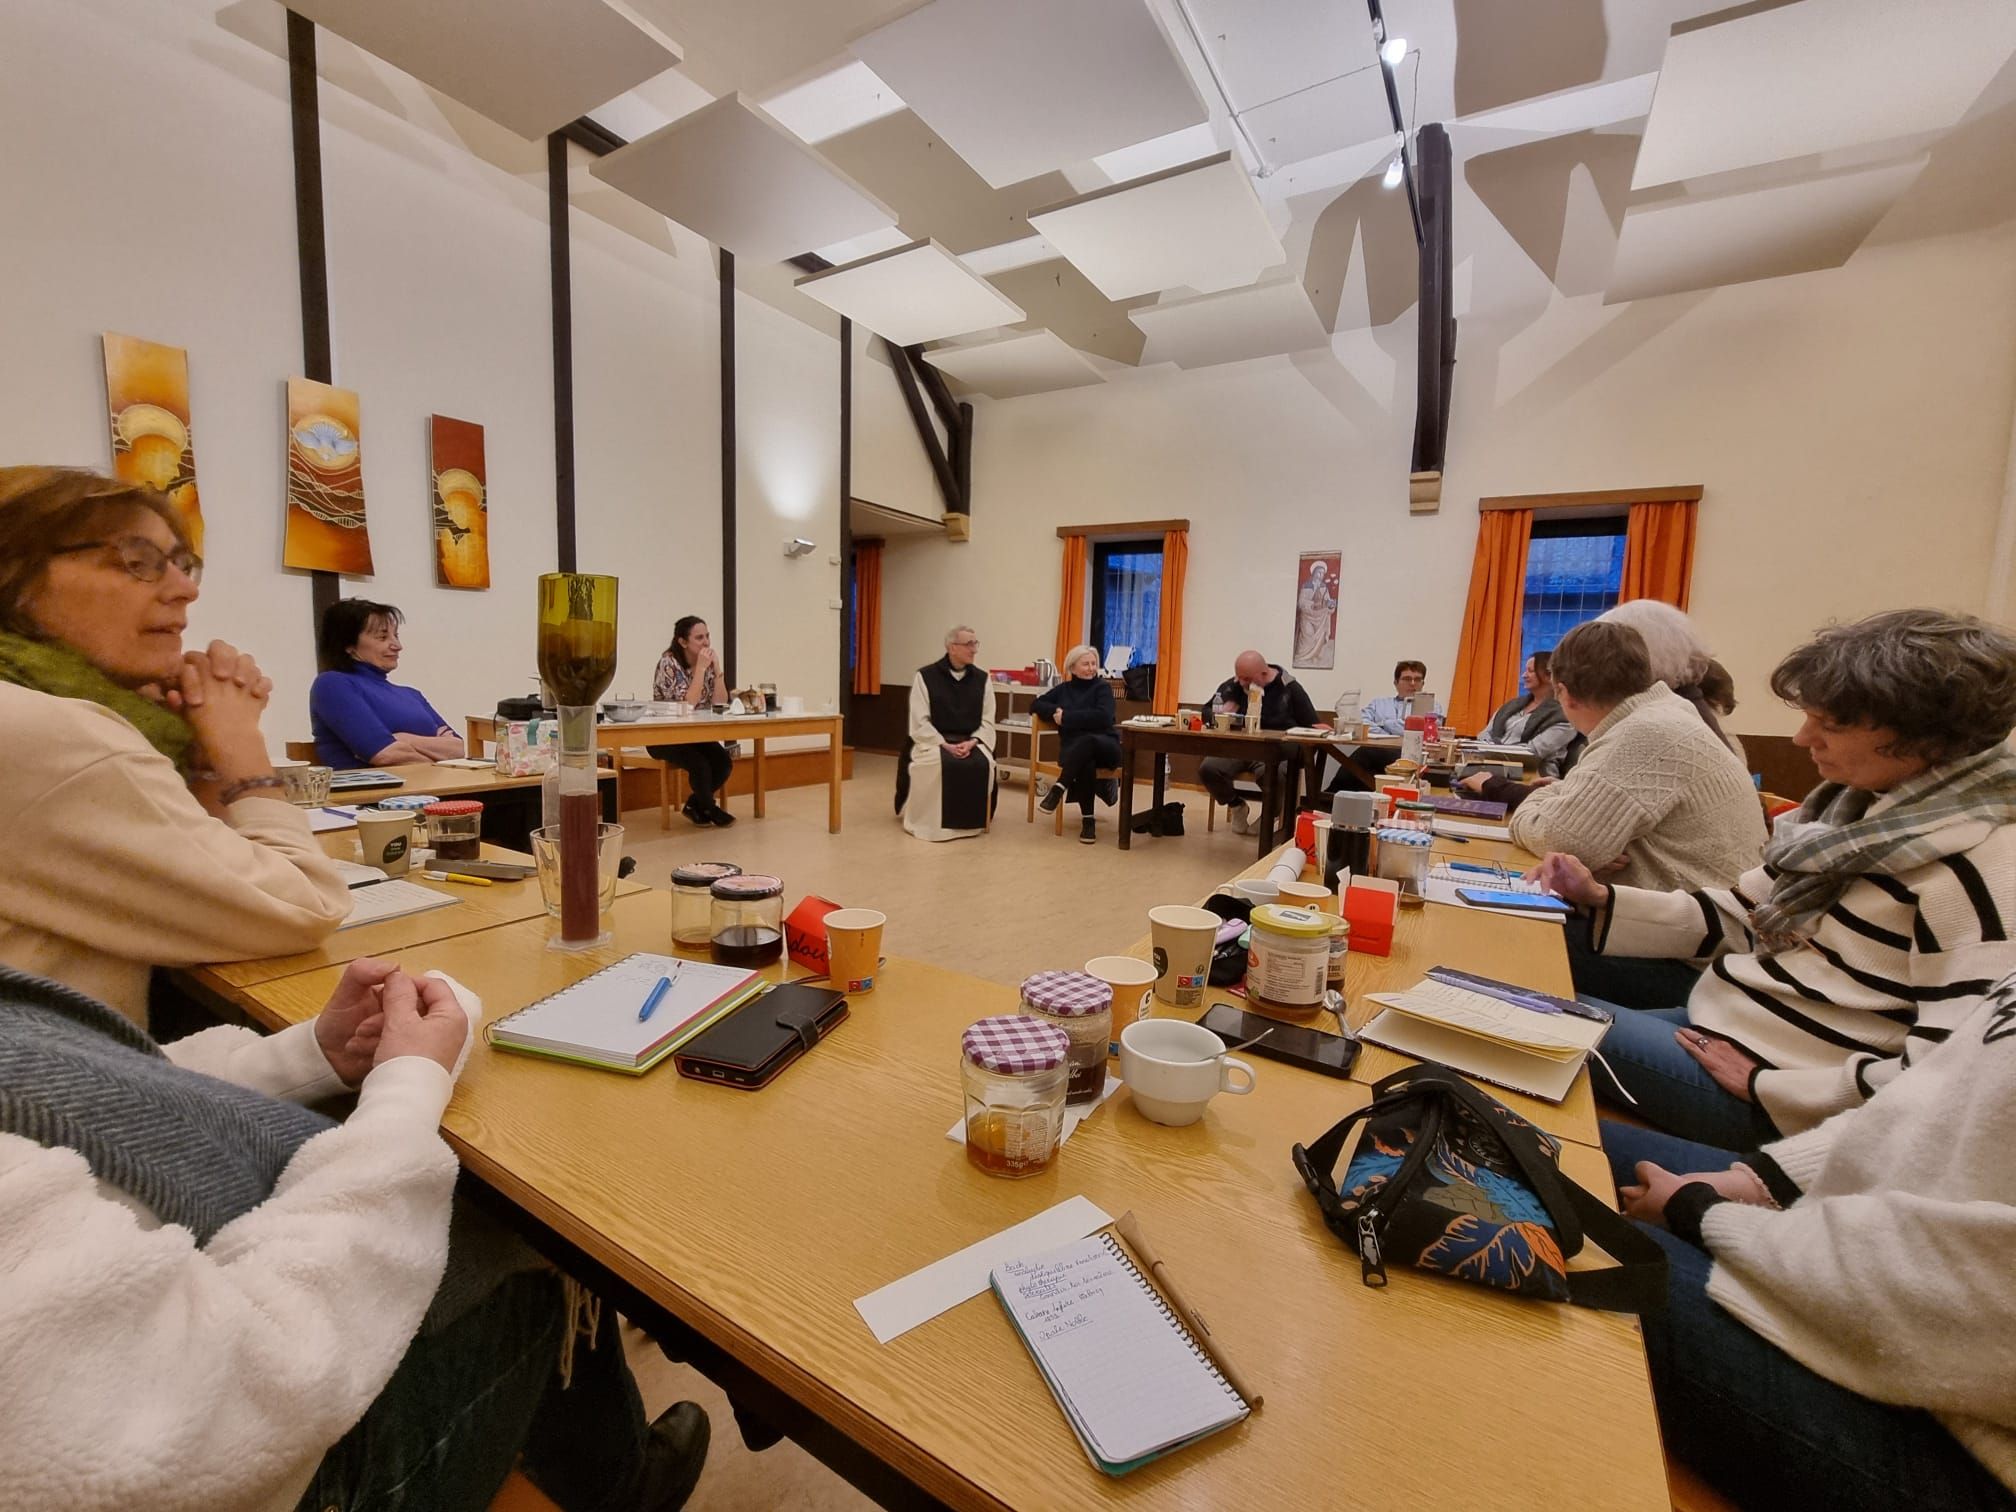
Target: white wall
[
  {"x": 150, "y": 191},
  {"x": 889, "y": 465},
  {"x": 1851, "y": 428}
]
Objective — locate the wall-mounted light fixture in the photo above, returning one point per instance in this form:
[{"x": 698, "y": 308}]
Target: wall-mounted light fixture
[{"x": 798, "y": 546}]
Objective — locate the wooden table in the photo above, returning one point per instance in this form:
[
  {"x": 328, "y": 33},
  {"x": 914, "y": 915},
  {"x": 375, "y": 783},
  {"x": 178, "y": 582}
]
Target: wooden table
[
  {"x": 511, "y": 805},
  {"x": 755, "y": 728},
  {"x": 1269, "y": 747},
  {"x": 757, "y": 1219}
]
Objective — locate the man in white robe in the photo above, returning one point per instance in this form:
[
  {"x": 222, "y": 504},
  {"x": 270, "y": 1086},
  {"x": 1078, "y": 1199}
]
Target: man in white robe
[{"x": 945, "y": 786}]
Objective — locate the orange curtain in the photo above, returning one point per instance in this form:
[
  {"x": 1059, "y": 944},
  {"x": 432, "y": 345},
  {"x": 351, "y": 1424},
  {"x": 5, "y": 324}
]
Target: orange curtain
[
  {"x": 868, "y": 617},
  {"x": 1659, "y": 553},
  {"x": 1169, "y": 636},
  {"x": 1487, "y": 661},
  {"x": 1071, "y": 606}
]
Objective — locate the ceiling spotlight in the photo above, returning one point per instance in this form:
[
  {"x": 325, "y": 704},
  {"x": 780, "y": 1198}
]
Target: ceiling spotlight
[
  {"x": 798, "y": 546},
  {"x": 1394, "y": 170},
  {"x": 1392, "y": 50}
]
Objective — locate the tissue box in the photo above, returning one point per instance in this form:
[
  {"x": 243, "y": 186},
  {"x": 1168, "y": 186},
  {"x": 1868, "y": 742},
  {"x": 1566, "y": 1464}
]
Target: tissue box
[
  {"x": 1370, "y": 905},
  {"x": 805, "y": 932},
  {"x": 527, "y": 747}
]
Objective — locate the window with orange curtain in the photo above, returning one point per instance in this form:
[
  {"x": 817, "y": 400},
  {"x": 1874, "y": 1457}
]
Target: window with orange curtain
[
  {"x": 1659, "y": 553},
  {"x": 1487, "y": 658},
  {"x": 1071, "y": 600},
  {"x": 1169, "y": 642},
  {"x": 867, "y": 623}
]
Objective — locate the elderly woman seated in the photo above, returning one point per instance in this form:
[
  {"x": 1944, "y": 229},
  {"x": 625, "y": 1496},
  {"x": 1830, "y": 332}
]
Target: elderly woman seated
[
  {"x": 145, "y": 825},
  {"x": 1880, "y": 913}
]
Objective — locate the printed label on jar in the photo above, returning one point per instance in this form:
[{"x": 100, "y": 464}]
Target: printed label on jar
[{"x": 1292, "y": 974}]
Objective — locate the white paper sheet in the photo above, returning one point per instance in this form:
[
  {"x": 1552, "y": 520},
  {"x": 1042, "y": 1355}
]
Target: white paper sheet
[
  {"x": 893, "y": 1310},
  {"x": 334, "y": 817}
]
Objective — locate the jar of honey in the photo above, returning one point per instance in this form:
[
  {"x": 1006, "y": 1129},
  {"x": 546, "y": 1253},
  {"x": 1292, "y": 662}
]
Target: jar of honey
[
  {"x": 1013, "y": 1068},
  {"x": 455, "y": 829},
  {"x": 693, "y": 900},
  {"x": 1082, "y": 1006},
  {"x": 746, "y": 924}
]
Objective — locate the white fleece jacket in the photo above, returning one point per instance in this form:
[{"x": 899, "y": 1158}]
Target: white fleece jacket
[{"x": 137, "y": 1370}]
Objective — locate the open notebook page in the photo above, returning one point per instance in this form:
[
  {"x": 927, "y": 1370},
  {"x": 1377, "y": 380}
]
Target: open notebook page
[
  {"x": 1556, "y": 1036},
  {"x": 597, "y": 1016}
]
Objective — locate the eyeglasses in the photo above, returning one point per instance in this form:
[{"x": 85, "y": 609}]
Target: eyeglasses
[
  {"x": 972, "y": 645},
  {"x": 142, "y": 559}
]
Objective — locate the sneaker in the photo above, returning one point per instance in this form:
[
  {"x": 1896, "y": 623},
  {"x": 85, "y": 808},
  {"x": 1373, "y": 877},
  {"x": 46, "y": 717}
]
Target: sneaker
[
  {"x": 697, "y": 813},
  {"x": 1088, "y": 831},
  {"x": 1050, "y": 800},
  {"x": 1238, "y": 818},
  {"x": 718, "y": 816},
  {"x": 1109, "y": 791},
  {"x": 674, "y": 1453}
]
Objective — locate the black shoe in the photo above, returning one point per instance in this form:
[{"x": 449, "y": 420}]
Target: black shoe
[
  {"x": 1109, "y": 792},
  {"x": 1088, "y": 831},
  {"x": 696, "y": 812},
  {"x": 1050, "y": 801},
  {"x": 674, "y": 1454},
  {"x": 719, "y": 817}
]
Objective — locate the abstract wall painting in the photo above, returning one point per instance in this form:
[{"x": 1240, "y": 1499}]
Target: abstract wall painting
[
  {"x": 461, "y": 503},
  {"x": 326, "y": 531},
  {"x": 1316, "y": 608},
  {"x": 147, "y": 402}
]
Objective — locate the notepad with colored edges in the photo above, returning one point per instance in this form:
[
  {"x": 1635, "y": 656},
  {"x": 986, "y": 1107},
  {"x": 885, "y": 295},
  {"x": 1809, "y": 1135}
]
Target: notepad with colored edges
[
  {"x": 374, "y": 902},
  {"x": 1132, "y": 1381},
  {"x": 1487, "y": 1037},
  {"x": 595, "y": 1021}
]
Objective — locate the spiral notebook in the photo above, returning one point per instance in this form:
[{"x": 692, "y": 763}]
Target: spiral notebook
[
  {"x": 1133, "y": 1383},
  {"x": 595, "y": 1021}
]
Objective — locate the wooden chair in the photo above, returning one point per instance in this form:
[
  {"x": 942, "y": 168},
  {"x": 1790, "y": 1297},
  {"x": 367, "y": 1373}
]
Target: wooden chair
[
  {"x": 518, "y": 1494},
  {"x": 672, "y": 781},
  {"x": 300, "y": 750},
  {"x": 1038, "y": 728}
]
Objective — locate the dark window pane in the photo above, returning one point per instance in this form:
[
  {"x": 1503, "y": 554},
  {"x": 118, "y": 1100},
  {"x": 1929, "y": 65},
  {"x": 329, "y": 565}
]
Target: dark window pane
[
  {"x": 1569, "y": 578},
  {"x": 1126, "y": 598}
]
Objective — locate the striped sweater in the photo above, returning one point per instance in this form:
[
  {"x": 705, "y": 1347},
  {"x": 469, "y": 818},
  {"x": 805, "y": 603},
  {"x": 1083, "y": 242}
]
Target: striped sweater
[{"x": 1893, "y": 968}]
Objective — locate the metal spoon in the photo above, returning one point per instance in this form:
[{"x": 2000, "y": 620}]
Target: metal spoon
[{"x": 1240, "y": 1046}]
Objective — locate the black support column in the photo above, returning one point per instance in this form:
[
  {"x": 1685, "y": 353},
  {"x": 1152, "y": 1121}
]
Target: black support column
[
  {"x": 311, "y": 254},
  {"x": 562, "y": 261}
]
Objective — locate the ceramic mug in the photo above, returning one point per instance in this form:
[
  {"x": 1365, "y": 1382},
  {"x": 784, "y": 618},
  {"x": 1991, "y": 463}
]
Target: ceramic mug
[{"x": 1173, "y": 1068}]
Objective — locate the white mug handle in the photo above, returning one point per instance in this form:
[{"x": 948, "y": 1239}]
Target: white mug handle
[{"x": 1226, "y": 1065}]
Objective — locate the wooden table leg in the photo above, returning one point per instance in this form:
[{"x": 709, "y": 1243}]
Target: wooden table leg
[
  {"x": 1270, "y": 781},
  {"x": 833, "y": 783},
  {"x": 1160, "y": 789},
  {"x": 1127, "y": 751}
]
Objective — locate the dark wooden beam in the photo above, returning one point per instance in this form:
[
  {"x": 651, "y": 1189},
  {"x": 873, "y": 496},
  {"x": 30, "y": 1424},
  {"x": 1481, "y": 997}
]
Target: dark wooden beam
[
  {"x": 962, "y": 458},
  {"x": 1123, "y": 528},
  {"x": 1436, "y": 334},
  {"x": 847, "y": 605},
  {"x": 727, "y": 638},
  {"x": 561, "y": 264},
  {"x": 592, "y": 136},
  {"x": 311, "y": 244},
  {"x": 935, "y": 385},
  {"x": 941, "y": 466}
]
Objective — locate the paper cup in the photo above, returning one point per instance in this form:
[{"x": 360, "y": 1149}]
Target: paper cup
[
  {"x": 1311, "y": 895},
  {"x": 387, "y": 839},
  {"x": 1133, "y": 984},
  {"x": 1182, "y": 937},
  {"x": 853, "y": 947}
]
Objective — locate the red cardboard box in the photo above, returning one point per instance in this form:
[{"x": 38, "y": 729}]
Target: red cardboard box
[
  {"x": 805, "y": 932},
  {"x": 1370, "y": 906}
]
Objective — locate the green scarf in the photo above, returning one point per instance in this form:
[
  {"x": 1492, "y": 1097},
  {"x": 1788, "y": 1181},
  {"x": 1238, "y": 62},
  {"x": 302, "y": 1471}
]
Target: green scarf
[{"x": 55, "y": 668}]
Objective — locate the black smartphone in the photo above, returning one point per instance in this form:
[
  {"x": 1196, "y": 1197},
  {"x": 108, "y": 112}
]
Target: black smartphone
[
  {"x": 500, "y": 871},
  {"x": 1298, "y": 1045},
  {"x": 1492, "y": 897}
]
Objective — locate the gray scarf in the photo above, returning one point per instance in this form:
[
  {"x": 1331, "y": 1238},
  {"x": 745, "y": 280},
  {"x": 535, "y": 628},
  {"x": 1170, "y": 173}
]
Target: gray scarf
[
  {"x": 196, "y": 1151},
  {"x": 1819, "y": 852}
]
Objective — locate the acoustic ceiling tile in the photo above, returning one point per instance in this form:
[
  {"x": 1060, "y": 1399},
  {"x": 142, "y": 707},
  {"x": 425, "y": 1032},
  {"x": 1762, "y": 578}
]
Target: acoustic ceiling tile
[
  {"x": 1022, "y": 87},
  {"x": 1034, "y": 362},
  {"x": 1262, "y": 321},
  {"x": 916, "y": 293},
  {"x": 1200, "y": 226},
  {"x": 732, "y": 174},
  {"x": 529, "y": 65}
]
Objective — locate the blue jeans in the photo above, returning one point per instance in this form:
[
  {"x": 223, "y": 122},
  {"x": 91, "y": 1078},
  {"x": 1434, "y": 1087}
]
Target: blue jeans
[
  {"x": 1760, "y": 1427},
  {"x": 446, "y": 1429},
  {"x": 1628, "y": 981},
  {"x": 1667, "y": 1086}
]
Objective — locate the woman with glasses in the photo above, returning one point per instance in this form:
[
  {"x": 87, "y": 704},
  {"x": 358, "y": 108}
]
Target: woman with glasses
[
  {"x": 144, "y": 822},
  {"x": 359, "y": 715}
]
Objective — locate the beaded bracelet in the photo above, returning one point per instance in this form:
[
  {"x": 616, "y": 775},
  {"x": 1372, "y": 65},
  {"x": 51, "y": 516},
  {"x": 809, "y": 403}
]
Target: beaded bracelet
[{"x": 246, "y": 785}]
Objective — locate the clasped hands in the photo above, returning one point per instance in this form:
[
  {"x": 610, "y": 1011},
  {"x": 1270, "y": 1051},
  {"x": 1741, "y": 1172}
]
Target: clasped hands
[
  {"x": 961, "y": 749},
  {"x": 379, "y": 1013}
]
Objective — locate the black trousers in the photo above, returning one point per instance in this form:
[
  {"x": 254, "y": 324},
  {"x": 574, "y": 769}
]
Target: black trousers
[
  {"x": 706, "y": 762},
  {"x": 1079, "y": 758}
]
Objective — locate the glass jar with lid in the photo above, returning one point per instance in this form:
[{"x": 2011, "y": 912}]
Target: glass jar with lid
[
  {"x": 693, "y": 899},
  {"x": 1289, "y": 957},
  {"x": 1013, "y": 1069},
  {"x": 746, "y": 920},
  {"x": 455, "y": 829},
  {"x": 1082, "y": 1006}
]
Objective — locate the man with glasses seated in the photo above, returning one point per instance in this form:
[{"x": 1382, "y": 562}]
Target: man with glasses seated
[{"x": 945, "y": 783}]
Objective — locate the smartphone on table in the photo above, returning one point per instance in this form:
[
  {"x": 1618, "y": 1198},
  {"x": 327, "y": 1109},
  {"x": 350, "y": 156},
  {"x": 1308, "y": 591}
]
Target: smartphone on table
[
  {"x": 1491, "y": 897},
  {"x": 1297, "y": 1044}
]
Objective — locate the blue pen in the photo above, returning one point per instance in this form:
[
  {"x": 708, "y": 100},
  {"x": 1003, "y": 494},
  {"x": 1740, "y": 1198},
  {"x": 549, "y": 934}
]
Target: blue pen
[
  {"x": 1472, "y": 866},
  {"x": 657, "y": 995},
  {"x": 342, "y": 813}
]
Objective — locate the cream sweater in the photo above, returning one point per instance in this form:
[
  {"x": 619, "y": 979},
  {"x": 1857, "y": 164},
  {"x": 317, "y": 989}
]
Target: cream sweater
[
  {"x": 113, "y": 867},
  {"x": 137, "y": 1370},
  {"x": 1655, "y": 786},
  {"x": 1892, "y": 1274}
]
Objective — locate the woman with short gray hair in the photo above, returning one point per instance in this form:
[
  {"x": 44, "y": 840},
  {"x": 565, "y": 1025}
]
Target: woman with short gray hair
[
  {"x": 1081, "y": 707},
  {"x": 1884, "y": 907}
]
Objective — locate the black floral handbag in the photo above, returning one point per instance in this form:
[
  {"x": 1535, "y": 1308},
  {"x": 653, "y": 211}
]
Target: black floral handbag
[{"x": 1448, "y": 1179}]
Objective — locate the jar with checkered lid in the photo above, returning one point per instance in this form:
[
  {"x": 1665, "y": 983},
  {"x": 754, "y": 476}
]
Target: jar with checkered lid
[
  {"x": 1013, "y": 1068},
  {"x": 1082, "y": 1006}
]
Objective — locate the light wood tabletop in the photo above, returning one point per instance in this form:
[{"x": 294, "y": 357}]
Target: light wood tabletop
[
  {"x": 758, "y": 1218},
  {"x": 444, "y": 782}
]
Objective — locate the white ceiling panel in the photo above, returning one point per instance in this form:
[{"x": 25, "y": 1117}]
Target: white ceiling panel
[
  {"x": 1200, "y": 227},
  {"x": 1032, "y": 363},
  {"x": 1817, "y": 77},
  {"x": 735, "y": 176},
  {"x": 833, "y": 101},
  {"x": 1676, "y": 245},
  {"x": 1332, "y": 115},
  {"x": 1263, "y": 52},
  {"x": 916, "y": 293},
  {"x": 1004, "y": 257},
  {"x": 1263, "y": 321},
  {"x": 529, "y": 65},
  {"x": 888, "y": 239},
  {"x": 1022, "y": 87},
  {"x": 1558, "y": 114}
]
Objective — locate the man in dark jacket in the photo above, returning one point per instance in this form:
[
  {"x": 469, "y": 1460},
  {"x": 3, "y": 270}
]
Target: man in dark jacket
[{"x": 1284, "y": 705}]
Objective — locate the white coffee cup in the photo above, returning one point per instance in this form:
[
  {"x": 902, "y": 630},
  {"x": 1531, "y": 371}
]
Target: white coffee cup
[
  {"x": 1173, "y": 1068},
  {"x": 1257, "y": 890}
]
